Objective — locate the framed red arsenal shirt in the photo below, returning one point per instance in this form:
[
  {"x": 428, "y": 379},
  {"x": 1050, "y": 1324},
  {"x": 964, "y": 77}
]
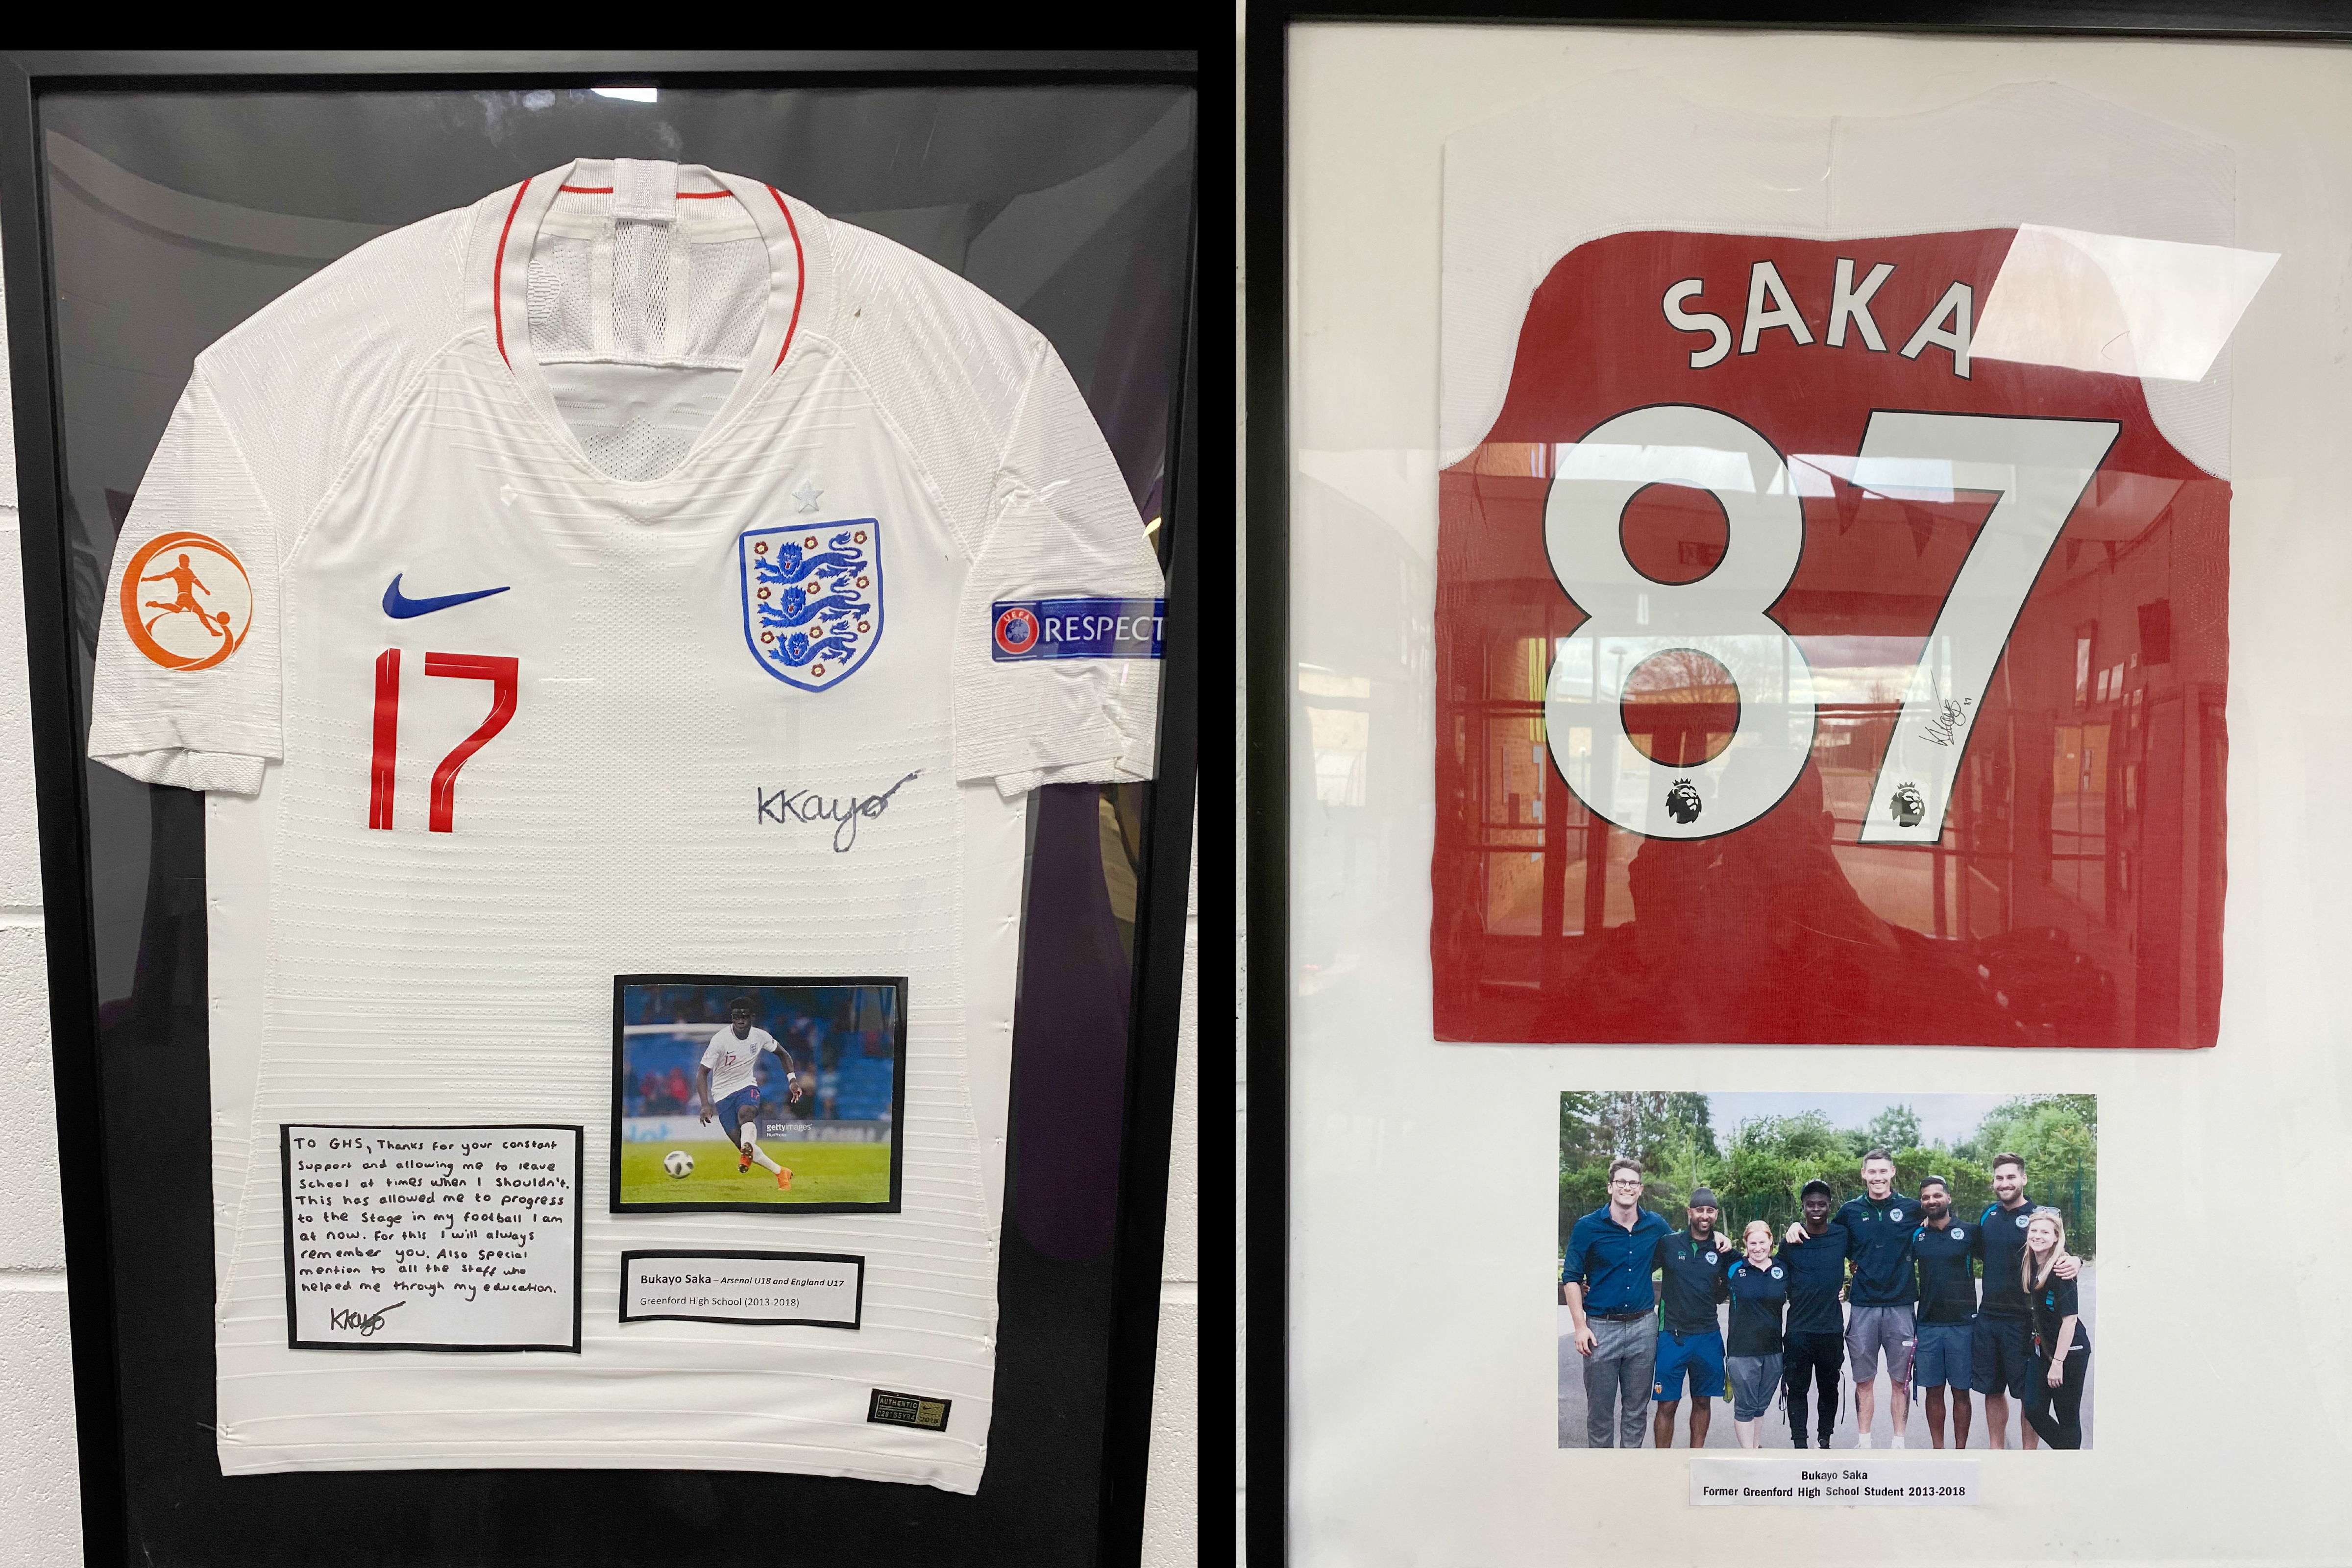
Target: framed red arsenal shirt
[{"x": 1832, "y": 630}]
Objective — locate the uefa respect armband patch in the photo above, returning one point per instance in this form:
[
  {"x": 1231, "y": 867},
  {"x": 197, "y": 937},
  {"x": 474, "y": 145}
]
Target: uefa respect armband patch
[{"x": 1022, "y": 629}]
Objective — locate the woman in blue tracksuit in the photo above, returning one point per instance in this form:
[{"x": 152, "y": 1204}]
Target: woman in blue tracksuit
[
  {"x": 2062, "y": 1349},
  {"x": 1751, "y": 1362}
]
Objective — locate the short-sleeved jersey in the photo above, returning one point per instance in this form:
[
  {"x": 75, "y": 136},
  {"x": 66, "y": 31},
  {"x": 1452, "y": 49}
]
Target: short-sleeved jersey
[
  {"x": 1881, "y": 1228},
  {"x": 2053, "y": 1302},
  {"x": 1998, "y": 1244},
  {"x": 1816, "y": 1266},
  {"x": 1690, "y": 1275},
  {"x": 1759, "y": 1299},
  {"x": 734, "y": 1063},
  {"x": 1944, "y": 1262},
  {"x": 630, "y": 573}
]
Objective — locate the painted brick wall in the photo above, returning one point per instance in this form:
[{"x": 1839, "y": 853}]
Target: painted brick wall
[
  {"x": 1173, "y": 1498},
  {"x": 40, "y": 1498}
]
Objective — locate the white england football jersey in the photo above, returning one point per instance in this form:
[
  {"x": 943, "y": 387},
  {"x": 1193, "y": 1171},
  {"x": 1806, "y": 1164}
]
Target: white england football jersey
[
  {"x": 735, "y": 1064},
  {"x": 497, "y": 583}
]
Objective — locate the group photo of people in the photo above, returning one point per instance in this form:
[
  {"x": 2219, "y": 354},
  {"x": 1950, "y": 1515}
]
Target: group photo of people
[{"x": 1843, "y": 1270}]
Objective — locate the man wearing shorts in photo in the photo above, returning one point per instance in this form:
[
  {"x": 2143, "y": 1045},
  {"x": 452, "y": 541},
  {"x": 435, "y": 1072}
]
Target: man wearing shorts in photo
[
  {"x": 1943, "y": 1250},
  {"x": 1604, "y": 1282},
  {"x": 1691, "y": 1268},
  {"x": 729, "y": 1085},
  {"x": 2001, "y": 1356},
  {"x": 1878, "y": 1321}
]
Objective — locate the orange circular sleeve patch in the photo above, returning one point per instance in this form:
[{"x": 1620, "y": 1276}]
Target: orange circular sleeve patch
[{"x": 186, "y": 600}]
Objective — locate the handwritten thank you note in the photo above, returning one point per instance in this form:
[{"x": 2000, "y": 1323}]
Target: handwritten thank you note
[{"x": 432, "y": 1238}]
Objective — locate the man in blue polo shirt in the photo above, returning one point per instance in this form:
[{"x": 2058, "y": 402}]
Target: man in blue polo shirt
[
  {"x": 1605, "y": 1282},
  {"x": 1691, "y": 1268}
]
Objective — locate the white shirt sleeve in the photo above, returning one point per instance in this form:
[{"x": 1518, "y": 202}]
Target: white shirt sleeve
[
  {"x": 1060, "y": 525},
  {"x": 711, "y": 1051},
  {"x": 263, "y": 433},
  {"x": 215, "y": 725}
]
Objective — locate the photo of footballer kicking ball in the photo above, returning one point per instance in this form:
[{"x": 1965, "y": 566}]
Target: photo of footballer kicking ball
[
  {"x": 768, "y": 1095},
  {"x": 1764, "y": 1249}
]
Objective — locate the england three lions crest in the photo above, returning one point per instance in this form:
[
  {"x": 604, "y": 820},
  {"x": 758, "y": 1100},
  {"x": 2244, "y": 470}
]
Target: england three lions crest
[{"x": 812, "y": 599}]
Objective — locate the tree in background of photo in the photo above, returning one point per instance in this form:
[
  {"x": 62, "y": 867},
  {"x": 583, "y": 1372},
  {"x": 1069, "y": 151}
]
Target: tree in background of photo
[
  {"x": 1669, "y": 1135},
  {"x": 1757, "y": 1171},
  {"x": 1896, "y": 1127},
  {"x": 2057, "y": 1136}
]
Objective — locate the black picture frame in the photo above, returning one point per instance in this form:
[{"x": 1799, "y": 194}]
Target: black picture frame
[
  {"x": 1148, "y": 1098},
  {"x": 1267, "y": 669},
  {"x": 896, "y": 982},
  {"x": 294, "y": 1339}
]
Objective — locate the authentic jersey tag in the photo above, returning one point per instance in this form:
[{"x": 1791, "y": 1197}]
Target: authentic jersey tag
[
  {"x": 889, "y": 1409},
  {"x": 1075, "y": 628}
]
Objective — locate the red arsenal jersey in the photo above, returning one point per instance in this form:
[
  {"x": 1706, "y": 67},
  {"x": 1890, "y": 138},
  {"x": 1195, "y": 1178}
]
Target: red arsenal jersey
[{"x": 1804, "y": 678}]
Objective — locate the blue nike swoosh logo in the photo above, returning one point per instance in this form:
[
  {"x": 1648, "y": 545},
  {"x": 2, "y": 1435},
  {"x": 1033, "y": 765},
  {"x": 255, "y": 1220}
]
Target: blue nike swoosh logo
[{"x": 400, "y": 608}]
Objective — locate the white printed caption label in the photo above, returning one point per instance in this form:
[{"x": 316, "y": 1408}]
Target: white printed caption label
[
  {"x": 432, "y": 1238},
  {"x": 1849, "y": 1481},
  {"x": 821, "y": 1289}
]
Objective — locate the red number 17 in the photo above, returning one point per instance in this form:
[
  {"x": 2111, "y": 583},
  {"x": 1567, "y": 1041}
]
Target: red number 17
[{"x": 383, "y": 763}]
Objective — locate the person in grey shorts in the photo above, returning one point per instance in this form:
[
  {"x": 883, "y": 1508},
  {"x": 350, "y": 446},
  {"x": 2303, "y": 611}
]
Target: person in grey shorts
[
  {"x": 1759, "y": 1304},
  {"x": 1604, "y": 1282}
]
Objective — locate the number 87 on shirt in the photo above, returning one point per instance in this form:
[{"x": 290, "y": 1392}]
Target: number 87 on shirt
[{"x": 1757, "y": 536}]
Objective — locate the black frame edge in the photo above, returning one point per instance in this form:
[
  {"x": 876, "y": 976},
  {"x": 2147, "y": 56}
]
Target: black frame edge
[
  {"x": 72, "y": 974},
  {"x": 1266, "y": 758},
  {"x": 1216, "y": 898},
  {"x": 1155, "y": 1011},
  {"x": 412, "y": 69}
]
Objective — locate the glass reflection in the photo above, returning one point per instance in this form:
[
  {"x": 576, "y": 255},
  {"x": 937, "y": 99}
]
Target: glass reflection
[
  {"x": 2071, "y": 898},
  {"x": 2117, "y": 304},
  {"x": 173, "y": 217}
]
